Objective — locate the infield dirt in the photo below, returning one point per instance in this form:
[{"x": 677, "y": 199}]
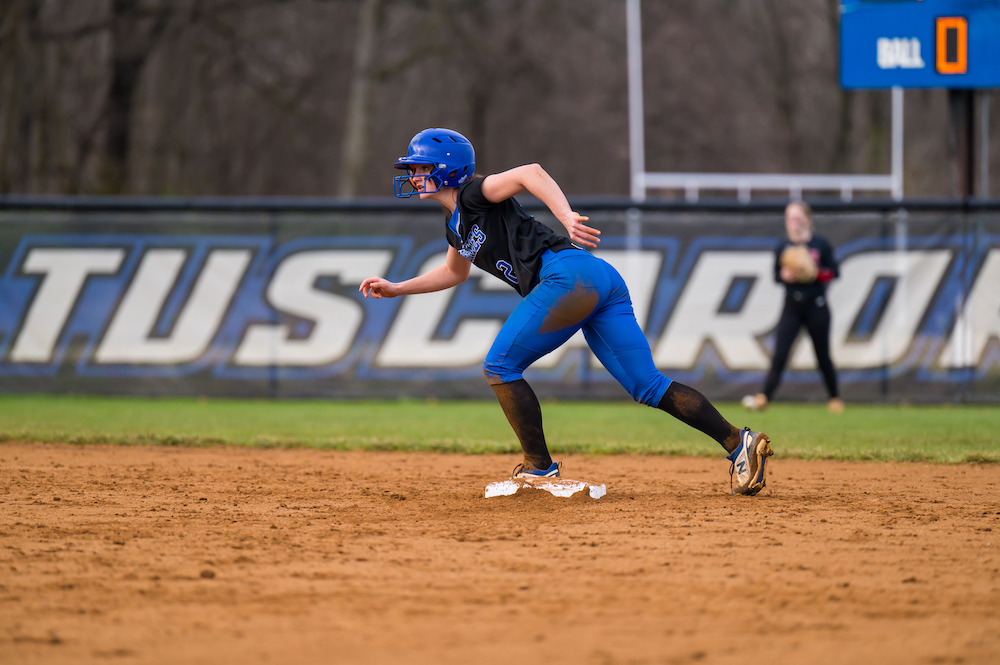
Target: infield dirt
[{"x": 235, "y": 555}]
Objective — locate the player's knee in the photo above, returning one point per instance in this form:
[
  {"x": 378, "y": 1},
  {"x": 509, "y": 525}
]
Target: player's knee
[
  {"x": 650, "y": 391},
  {"x": 497, "y": 373}
]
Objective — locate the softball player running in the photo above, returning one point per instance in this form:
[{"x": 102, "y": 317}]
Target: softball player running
[{"x": 564, "y": 289}]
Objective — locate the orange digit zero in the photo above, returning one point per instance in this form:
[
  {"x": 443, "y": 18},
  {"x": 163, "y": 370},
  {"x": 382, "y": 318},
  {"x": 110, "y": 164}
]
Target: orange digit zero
[{"x": 952, "y": 45}]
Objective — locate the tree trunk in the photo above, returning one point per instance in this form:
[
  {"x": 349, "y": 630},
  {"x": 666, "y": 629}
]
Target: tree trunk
[
  {"x": 354, "y": 158},
  {"x": 20, "y": 78},
  {"x": 133, "y": 38},
  {"x": 784, "y": 82},
  {"x": 845, "y": 102}
]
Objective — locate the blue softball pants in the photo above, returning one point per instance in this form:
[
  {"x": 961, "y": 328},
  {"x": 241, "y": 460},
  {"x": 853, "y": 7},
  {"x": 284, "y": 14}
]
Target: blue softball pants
[{"x": 578, "y": 290}]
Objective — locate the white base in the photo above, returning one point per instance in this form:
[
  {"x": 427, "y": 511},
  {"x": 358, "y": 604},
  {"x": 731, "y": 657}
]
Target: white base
[{"x": 561, "y": 487}]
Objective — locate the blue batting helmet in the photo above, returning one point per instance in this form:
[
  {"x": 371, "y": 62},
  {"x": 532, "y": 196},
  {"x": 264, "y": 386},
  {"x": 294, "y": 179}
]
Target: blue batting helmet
[{"x": 449, "y": 153}]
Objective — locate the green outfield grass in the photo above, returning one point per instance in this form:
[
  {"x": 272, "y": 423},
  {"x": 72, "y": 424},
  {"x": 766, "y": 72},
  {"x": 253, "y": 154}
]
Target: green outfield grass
[{"x": 947, "y": 434}]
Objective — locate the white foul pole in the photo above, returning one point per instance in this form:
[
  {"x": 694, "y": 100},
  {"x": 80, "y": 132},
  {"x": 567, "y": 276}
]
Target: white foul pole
[
  {"x": 636, "y": 119},
  {"x": 897, "y": 143}
]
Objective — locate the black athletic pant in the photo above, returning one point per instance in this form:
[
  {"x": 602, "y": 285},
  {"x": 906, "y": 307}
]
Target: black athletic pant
[{"x": 813, "y": 313}]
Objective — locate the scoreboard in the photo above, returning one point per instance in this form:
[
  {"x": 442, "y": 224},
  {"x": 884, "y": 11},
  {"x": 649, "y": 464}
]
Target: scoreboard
[{"x": 920, "y": 44}]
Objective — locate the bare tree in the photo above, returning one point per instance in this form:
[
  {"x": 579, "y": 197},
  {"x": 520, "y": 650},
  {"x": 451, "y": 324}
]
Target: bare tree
[
  {"x": 319, "y": 96},
  {"x": 135, "y": 33},
  {"x": 356, "y": 143},
  {"x": 779, "y": 61},
  {"x": 838, "y": 162},
  {"x": 20, "y": 76}
]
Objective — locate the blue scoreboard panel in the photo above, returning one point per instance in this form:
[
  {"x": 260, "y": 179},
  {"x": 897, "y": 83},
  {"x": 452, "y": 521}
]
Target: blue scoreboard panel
[{"x": 920, "y": 43}]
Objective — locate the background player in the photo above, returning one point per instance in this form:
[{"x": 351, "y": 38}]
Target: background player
[
  {"x": 805, "y": 264},
  {"x": 564, "y": 289}
]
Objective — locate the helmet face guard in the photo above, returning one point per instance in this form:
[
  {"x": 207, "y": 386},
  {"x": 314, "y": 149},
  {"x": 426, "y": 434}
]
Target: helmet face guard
[
  {"x": 451, "y": 156},
  {"x": 405, "y": 186}
]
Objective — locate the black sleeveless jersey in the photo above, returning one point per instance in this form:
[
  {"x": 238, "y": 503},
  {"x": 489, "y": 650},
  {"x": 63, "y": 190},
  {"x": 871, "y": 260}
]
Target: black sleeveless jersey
[{"x": 501, "y": 238}]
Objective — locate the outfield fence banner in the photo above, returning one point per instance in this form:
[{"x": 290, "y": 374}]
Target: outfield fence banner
[{"x": 231, "y": 298}]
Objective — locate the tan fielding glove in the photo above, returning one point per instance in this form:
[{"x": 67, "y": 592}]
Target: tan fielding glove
[{"x": 797, "y": 259}]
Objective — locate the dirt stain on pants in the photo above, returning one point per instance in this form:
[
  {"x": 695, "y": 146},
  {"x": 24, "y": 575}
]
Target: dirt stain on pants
[{"x": 571, "y": 309}]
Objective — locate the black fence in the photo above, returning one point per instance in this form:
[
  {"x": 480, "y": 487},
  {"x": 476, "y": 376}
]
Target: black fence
[{"x": 258, "y": 297}]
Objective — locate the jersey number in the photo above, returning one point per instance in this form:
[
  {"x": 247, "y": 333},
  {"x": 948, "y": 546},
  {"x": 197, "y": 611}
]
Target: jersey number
[{"x": 507, "y": 270}]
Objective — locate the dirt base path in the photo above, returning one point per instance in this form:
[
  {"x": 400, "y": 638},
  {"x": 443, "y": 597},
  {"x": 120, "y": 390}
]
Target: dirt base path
[{"x": 227, "y": 555}]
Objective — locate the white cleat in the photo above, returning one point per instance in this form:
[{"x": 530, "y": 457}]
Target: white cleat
[{"x": 749, "y": 462}]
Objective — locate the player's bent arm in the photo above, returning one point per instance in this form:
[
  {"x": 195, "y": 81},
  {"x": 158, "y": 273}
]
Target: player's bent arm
[
  {"x": 533, "y": 178},
  {"x": 452, "y": 272}
]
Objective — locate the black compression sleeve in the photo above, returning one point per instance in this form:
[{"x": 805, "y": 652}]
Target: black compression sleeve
[
  {"x": 692, "y": 408},
  {"x": 525, "y": 415}
]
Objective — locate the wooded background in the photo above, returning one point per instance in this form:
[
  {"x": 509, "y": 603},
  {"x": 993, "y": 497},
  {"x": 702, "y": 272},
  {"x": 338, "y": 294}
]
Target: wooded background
[{"x": 318, "y": 97}]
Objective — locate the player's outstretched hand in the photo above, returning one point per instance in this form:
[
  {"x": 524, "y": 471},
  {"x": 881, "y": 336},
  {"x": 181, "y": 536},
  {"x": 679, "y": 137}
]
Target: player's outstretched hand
[
  {"x": 579, "y": 232},
  {"x": 376, "y": 287}
]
